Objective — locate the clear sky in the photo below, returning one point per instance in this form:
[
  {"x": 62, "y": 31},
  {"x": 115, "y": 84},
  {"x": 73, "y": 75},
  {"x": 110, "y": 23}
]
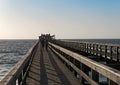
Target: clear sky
[{"x": 27, "y": 19}]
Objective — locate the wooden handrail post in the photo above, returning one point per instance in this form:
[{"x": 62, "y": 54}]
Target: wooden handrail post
[
  {"x": 100, "y": 50},
  {"x": 93, "y": 49},
  {"x": 87, "y": 47},
  {"x": 117, "y": 54},
  {"x": 106, "y": 51},
  {"x": 111, "y": 52},
  {"x": 97, "y": 49},
  {"x": 90, "y": 48}
]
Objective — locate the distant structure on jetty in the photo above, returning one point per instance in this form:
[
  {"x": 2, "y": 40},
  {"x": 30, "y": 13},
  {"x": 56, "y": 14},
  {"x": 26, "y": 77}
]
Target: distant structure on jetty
[
  {"x": 46, "y": 36},
  {"x": 58, "y": 62}
]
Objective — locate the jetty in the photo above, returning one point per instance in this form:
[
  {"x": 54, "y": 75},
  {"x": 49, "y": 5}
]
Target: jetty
[{"x": 60, "y": 62}]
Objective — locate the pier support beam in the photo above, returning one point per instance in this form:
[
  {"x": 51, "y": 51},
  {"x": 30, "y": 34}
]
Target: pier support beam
[
  {"x": 95, "y": 75},
  {"x": 85, "y": 69},
  {"x": 20, "y": 79}
]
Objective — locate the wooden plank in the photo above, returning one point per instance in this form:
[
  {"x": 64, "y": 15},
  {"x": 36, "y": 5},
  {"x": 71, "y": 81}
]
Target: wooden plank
[{"x": 69, "y": 76}]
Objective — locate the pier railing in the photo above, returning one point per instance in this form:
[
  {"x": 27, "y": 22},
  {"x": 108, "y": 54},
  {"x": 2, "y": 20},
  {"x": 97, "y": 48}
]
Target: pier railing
[
  {"x": 17, "y": 76},
  {"x": 108, "y": 51},
  {"x": 87, "y": 69}
]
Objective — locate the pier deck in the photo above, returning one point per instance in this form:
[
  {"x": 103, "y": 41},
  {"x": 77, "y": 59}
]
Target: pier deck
[{"x": 47, "y": 69}]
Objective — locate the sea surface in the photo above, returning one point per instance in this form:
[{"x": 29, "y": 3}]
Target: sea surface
[
  {"x": 110, "y": 41},
  {"x": 11, "y": 51}
]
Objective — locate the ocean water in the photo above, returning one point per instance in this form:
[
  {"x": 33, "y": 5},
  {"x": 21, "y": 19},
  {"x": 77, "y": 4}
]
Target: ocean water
[
  {"x": 111, "y": 41},
  {"x": 11, "y": 51}
]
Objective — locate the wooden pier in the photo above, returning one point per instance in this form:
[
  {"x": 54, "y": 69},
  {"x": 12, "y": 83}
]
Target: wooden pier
[
  {"x": 67, "y": 63},
  {"x": 40, "y": 66},
  {"x": 46, "y": 69}
]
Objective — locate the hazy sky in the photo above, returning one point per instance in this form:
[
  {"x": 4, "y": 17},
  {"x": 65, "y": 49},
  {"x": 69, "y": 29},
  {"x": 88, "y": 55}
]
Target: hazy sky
[{"x": 27, "y": 19}]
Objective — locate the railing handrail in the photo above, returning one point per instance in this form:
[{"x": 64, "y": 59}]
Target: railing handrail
[
  {"x": 108, "y": 44},
  {"x": 16, "y": 71},
  {"x": 108, "y": 51},
  {"x": 109, "y": 72}
]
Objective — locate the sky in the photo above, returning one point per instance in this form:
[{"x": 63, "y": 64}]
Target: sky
[{"x": 67, "y": 19}]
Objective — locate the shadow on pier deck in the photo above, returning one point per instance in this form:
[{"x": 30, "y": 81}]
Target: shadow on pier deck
[
  {"x": 40, "y": 66},
  {"x": 47, "y": 69}
]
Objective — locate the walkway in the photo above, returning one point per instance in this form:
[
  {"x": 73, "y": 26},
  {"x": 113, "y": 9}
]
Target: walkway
[{"x": 47, "y": 69}]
